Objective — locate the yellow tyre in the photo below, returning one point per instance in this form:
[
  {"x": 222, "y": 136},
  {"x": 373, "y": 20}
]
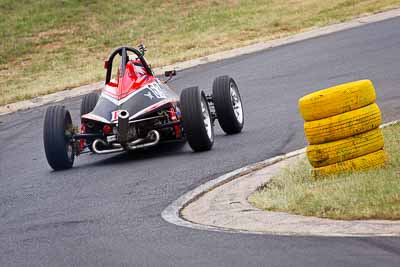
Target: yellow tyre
[
  {"x": 344, "y": 125},
  {"x": 336, "y": 100},
  {"x": 345, "y": 149},
  {"x": 373, "y": 160}
]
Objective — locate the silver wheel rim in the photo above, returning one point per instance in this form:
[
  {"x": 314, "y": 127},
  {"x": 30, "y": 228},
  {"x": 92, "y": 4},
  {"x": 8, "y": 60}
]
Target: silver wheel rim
[
  {"x": 67, "y": 133},
  {"x": 69, "y": 152},
  {"x": 236, "y": 103},
  {"x": 206, "y": 118}
]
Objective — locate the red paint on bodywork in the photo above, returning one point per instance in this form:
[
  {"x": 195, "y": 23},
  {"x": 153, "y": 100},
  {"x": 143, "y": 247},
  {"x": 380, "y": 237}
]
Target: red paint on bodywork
[
  {"x": 134, "y": 78},
  {"x": 82, "y": 141},
  {"x": 174, "y": 117}
]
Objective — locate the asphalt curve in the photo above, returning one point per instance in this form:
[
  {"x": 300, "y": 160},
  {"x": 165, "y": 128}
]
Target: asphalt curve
[{"x": 106, "y": 210}]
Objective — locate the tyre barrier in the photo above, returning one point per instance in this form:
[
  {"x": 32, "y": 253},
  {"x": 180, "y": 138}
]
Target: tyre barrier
[
  {"x": 336, "y": 100},
  {"x": 342, "y": 128},
  {"x": 343, "y": 125},
  {"x": 348, "y": 148},
  {"x": 375, "y": 159}
]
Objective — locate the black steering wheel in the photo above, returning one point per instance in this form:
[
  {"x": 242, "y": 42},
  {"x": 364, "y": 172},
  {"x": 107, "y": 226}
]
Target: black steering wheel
[{"x": 123, "y": 52}]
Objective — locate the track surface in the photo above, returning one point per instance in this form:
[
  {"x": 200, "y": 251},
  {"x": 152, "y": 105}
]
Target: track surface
[{"x": 106, "y": 210}]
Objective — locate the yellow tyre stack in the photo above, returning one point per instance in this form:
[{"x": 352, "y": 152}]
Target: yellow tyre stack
[{"x": 342, "y": 127}]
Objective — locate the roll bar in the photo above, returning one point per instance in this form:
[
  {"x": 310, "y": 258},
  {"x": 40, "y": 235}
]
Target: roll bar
[{"x": 122, "y": 51}]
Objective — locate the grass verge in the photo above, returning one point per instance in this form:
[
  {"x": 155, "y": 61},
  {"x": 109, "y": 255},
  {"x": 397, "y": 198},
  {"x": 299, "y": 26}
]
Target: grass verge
[
  {"x": 48, "y": 46},
  {"x": 374, "y": 194}
]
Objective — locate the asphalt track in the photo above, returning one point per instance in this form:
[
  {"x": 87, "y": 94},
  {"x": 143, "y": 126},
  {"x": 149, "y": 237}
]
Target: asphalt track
[{"x": 106, "y": 210}]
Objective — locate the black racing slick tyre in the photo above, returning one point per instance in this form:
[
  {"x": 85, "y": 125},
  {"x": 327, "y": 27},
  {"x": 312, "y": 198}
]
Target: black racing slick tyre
[
  {"x": 228, "y": 105},
  {"x": 196, "y": 119},
  {"x": 88, "y": 103},
  {"x": 57, "y": 130}
]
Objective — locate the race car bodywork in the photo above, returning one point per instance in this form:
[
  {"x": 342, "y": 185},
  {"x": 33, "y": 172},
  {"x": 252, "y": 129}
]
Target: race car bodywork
[{"x": 137, "y": 110}]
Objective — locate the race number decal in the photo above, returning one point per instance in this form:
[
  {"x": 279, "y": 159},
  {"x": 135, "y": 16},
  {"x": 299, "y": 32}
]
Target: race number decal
[{"x": 114, "y": 115}]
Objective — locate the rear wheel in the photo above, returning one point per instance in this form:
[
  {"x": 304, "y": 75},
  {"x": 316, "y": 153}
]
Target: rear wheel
[
  {"x": 57, "y": 131},
  {"x": 228, "y": 105},
  {"x": 197, "y": 122},
  {"x": 88, "y": 103}
]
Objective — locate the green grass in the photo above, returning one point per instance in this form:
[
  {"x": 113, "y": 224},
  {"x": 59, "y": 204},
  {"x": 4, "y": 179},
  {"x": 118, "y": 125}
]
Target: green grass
[
  {"x": 374, "y": 194},
  {"x": 49, "y": 45}
]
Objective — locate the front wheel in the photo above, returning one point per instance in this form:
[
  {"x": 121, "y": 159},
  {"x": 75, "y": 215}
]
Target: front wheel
[
  {"x": 57, "y": 132},
  {"x": 197, "y": 122},
  {"x": 228, "y": 105},
  {"x": 88, "y": 103}
]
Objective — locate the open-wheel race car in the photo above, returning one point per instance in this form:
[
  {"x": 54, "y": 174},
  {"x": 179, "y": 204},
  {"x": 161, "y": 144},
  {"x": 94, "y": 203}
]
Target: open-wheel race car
[{"x": 136, "y": 110}]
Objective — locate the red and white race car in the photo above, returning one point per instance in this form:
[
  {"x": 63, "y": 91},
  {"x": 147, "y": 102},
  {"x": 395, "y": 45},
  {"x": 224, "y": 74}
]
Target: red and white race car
[{"x": 136, "y": 110}]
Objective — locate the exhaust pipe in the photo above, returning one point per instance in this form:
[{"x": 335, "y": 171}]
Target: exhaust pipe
[
  {"x": 152, "y": 134},
  {"x": 123, "y": 126},
  {"x": 105, "y": 151}
]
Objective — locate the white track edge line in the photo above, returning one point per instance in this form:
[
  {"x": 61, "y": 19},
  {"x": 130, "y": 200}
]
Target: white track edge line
[{"x": 172, "y": 212}]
